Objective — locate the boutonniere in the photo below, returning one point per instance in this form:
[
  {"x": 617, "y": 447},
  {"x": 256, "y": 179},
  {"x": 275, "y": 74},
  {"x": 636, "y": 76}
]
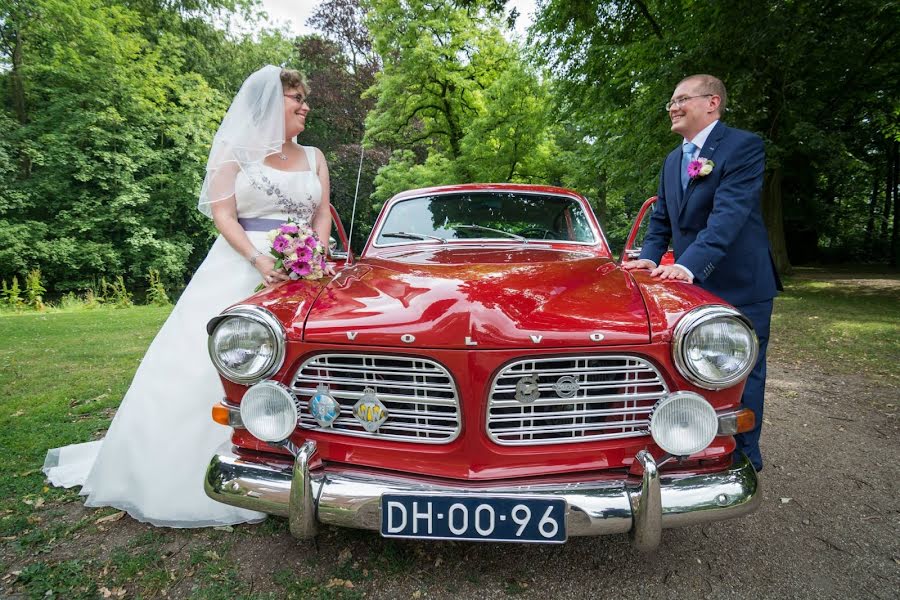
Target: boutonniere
[{"x": 700, "y": 168}]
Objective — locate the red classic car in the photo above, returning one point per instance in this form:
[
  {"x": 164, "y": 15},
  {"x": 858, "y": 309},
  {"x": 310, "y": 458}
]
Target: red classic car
[{"x": 485, "y": 371}]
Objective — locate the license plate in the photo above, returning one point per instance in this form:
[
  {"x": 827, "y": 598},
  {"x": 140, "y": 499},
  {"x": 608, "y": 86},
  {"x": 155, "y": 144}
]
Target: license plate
[{"x": 474, "y": 518}]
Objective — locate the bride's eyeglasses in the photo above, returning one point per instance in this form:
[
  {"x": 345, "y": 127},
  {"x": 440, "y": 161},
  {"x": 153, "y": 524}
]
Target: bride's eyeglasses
[{"x": 300, "y": 98}]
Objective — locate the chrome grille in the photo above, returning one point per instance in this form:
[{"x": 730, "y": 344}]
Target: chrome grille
[
  {"x": 420, "y": 395},
  {"x": 614, "y": 398}
]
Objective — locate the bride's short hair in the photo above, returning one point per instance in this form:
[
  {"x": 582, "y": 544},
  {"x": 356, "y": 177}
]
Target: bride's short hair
[{"x": 292, "y": 79}]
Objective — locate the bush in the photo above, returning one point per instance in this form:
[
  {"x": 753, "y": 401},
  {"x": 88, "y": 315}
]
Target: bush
[
  {"x": 156, "y": 293},
  {"x": 117, "y": 294},
  {"x": 34, "y": 290},
  {"x": 12, "y": 295}
]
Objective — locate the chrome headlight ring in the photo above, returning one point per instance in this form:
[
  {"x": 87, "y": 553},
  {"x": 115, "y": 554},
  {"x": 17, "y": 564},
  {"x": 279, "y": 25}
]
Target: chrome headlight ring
[
  {"x": 259, "y": 316},
  {"x": 697, "y": 318}
]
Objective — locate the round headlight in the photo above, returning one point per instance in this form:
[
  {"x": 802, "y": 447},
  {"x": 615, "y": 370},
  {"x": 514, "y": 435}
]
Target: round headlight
[
  {"x": 269, "y": 411},
  {"x": 247, "y": 345},
  {"x": 683, "y": 423},
  {"x": 715, "y": 347}
]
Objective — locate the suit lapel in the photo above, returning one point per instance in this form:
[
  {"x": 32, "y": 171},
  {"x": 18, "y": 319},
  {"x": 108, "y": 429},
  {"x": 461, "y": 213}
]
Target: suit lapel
[
  {"x": 707, "y": 151},
  {"x": 673, "y": 180}
]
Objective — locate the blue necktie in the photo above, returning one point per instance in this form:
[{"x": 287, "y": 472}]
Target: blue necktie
[{"x": 687, "y": 151}]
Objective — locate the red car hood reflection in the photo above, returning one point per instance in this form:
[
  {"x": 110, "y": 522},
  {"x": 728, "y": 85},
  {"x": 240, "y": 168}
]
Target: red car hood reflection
[{"x": 468, "y": 298}]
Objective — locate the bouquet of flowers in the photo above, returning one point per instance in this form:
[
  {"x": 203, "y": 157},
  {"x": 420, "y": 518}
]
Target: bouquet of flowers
[{"x": 297, "y": 249}]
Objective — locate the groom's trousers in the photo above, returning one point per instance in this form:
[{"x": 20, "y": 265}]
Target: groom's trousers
[{"x": 760, "y": 314}]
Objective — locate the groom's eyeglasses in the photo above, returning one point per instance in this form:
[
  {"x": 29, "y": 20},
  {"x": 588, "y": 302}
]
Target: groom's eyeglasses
[
  {"x": 679, "y": 102},
  {"x": 300, "y": 98}
]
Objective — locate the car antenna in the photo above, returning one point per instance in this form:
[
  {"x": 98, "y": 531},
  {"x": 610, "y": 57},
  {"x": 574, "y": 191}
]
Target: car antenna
[{"x": 362, "y": 151}]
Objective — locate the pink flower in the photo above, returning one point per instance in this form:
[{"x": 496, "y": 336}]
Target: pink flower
[
  {"x": 694, "y": 168},
  {"x": 311, "y": 241},
  {"x": 280, "y": 243},
  {"x": 289, "y": 228},
  {"x": 700, "y": 168},
  {"x": 301, "y": 268},
  {"x": 304, "y": 254}
]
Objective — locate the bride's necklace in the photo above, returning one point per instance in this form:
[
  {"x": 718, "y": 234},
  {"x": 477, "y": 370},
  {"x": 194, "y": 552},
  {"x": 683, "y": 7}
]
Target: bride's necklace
[{"x": 282, "y": 155}]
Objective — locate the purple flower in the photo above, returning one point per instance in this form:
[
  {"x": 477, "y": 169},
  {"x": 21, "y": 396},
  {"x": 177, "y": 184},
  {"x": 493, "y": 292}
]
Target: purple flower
[
  {"x": 301, "y": 268},
  {"x": 280, "y": 243},
  {"x": 289, "y": 228},
  {"x": 311, "y": 241}
]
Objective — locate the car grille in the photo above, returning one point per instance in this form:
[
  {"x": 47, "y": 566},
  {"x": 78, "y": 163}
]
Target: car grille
[
  {"x": 419, "y": 394},
  {"x": 611, "y": 398}
]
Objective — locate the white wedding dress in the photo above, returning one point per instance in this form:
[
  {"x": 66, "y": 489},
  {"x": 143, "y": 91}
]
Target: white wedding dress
[{"x": 154, "y": 456}]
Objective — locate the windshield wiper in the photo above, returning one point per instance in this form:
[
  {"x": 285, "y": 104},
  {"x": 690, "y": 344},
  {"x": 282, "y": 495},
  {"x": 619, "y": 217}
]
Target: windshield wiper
[
  {"x": 514, "y": 236},
  {"x": 413, "y": 236}
]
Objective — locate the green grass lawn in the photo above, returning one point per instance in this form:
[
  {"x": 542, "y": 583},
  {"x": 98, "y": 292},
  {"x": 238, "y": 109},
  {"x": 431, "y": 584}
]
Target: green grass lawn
[
  {"x": 63, "y": 373},
  {"x": 843, "y": 322}
]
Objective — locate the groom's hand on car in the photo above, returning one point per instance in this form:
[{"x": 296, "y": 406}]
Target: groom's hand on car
[{"x": 641, "y": 263}]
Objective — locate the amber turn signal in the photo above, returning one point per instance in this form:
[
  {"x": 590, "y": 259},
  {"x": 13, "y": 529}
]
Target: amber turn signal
[
  {"x": 220, "y": 415},
  {"x": 746, "y": 420}
]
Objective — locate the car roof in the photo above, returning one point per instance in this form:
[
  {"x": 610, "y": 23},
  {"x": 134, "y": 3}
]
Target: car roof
[{"x": 488, "y": 187}]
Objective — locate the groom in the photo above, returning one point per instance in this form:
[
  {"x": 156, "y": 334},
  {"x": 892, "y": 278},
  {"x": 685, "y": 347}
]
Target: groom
[{"x": 714, "y": 221}]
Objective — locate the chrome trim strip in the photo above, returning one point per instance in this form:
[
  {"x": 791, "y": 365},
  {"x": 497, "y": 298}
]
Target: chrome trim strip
[
  {"x": 351, "y": 497},
  {"x": 260, "y": 315},
  {"x": 575, "y": 411},
  {"x": 691, "y": 320},
  {"x": 398, "y": 381}
]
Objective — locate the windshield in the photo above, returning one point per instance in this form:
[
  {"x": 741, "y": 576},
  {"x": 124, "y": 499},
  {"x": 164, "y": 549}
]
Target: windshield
[{"x": 510, "y": 216}]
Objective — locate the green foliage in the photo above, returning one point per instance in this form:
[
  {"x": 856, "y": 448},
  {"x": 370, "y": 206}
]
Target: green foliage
[
  {"x": 816, "y": 79},
  {"x": 12, "y": 294},
  {"x": 101, "y": 167},
  {"x": 118, "y": 295},
  {"x": 456, "y": 100},
  {"x": 34, "y": 290},
  {"x": 156, "y": 292}
]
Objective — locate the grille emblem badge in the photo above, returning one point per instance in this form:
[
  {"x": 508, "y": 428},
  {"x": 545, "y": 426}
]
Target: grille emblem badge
[
  {"x": 527, "y": 389},
  {"x": 324, "y": 408},
  {"x": 566, "y": 386},
  {"x": 370, "y": 411}
]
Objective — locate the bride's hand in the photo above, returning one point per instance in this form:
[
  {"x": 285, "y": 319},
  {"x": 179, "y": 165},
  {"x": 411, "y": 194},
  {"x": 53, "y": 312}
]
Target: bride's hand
[
  {"x": 266, "y": 267},
  {"x": 329, "y": 269}
]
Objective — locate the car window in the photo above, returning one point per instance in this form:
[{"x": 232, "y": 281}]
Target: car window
[{"x": 486, "y": 215}]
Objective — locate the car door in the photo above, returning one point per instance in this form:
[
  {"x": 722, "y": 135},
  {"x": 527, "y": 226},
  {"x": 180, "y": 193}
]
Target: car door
[{"x": 638, "y": 231}]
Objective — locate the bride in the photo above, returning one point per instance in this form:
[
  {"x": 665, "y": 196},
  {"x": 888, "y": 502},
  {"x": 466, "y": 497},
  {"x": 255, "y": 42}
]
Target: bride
[{"x": 152, "y": 461}]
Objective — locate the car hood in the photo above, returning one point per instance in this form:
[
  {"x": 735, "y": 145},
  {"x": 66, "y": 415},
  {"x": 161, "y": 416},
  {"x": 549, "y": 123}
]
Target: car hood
[{"x": 480, "y": 298}]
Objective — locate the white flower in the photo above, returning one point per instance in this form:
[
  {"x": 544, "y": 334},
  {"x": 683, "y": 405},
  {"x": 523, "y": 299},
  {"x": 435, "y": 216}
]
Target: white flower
[{"x": 707, "y": 168}]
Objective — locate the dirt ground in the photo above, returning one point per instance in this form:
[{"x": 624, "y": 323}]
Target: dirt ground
[{"x": 828, "y": 528}]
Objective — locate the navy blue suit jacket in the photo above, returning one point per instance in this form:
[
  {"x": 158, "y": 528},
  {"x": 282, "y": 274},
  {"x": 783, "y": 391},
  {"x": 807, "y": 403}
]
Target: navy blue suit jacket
[{"x": 716, "y": 226}]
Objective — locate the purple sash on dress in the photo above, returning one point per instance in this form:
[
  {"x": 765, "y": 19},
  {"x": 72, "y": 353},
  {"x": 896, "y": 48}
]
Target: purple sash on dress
[{"x": 260, "y": 224}]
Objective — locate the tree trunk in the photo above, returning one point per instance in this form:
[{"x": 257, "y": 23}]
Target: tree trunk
[
  {"x": 17, "y": 88},
  {"x": 895, "y": 239},
  {"x": 870, "y": 224},
  {"x": 890, "y": 184},
  {"x": 772, "y": 215}
]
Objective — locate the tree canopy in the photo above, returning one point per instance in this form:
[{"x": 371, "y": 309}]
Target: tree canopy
[{"x": 109, "y": 106}]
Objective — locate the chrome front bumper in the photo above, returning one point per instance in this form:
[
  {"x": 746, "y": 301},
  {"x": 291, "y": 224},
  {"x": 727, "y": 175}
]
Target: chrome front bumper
[{"x": 352, "y": 497}]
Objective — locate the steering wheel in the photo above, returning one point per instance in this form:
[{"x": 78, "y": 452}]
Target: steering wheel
[{"x": 538, "y": 233}]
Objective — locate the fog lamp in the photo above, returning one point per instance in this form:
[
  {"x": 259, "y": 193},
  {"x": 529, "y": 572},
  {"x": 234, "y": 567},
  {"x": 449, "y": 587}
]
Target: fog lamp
[
  {"x": 683, "y": 423},
  {"x": 269, "y": 411}
]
